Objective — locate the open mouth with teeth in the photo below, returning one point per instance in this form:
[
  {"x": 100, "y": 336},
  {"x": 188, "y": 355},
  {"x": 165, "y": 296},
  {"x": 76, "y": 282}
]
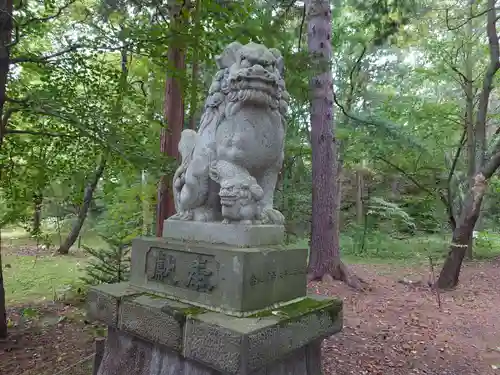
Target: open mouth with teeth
[
  {"x": 228, "y": 196},
  {"x": 254, "y": 84},
  {"x": 228, "y": 201}
]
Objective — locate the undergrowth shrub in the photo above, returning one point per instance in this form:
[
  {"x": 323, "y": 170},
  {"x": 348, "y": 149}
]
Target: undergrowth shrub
[{"x": 110, "y": 264}]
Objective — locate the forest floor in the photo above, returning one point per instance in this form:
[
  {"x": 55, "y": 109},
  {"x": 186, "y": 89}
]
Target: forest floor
[{"x": 393, "y": 329}]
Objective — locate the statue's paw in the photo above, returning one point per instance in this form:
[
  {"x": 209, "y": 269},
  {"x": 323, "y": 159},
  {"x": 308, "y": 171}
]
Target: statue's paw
[
  {"x": 272, "y": 216},
  {"x": 204, "y": 214},
  {"x": 183, "y": 215},
  {"x": 177, "y": 216}
]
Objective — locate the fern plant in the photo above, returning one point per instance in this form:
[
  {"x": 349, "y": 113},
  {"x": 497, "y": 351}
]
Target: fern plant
[{"x": 379, "y": 207}]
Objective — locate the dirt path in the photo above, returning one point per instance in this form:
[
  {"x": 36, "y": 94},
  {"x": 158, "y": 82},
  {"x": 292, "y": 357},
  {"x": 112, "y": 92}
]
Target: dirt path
[
  {"x": 395, "y": 329},
  {"x": 398, "y": 329}
]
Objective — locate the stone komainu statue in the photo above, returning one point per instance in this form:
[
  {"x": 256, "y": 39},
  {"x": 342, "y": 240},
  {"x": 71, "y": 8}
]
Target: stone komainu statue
[{"x": 230, "y": 167}]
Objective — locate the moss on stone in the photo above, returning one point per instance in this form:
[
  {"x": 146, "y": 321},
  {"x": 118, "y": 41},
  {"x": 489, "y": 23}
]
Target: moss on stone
[
  {"x": 193, "y": 310},
  {"x": 154, "y": 296},
  {"x": 180, "y": 314},
  {"x": 177, "y": 312},
  {"x": 295, "y": 311}
]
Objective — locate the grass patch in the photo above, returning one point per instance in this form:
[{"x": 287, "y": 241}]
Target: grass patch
[
  {"x": 17, "y": 237},
  {"x": 33, "y": 279},
  {"x": 380, "y": 248}
]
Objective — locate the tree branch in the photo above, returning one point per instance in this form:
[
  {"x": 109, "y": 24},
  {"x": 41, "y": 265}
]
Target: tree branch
[
  {"x": 17, "y": 37},
  {"x": 51, "y": 17},
  {"x": 389, "y": 127},
  {"x": 76, "y": 47},
  {"x": 301, "y": 28},
  {"x": 451, "y": 215},
  {"x": 463, "y": 23},
  {"x": 407, "y": 175},
  {"x": 34, "y": 132},
  {"x": 41, "y": 59},
  {"x": 493, "y": 164},
  {"x": 6, "y": 116},
  {"x": 17, "y": 101}
]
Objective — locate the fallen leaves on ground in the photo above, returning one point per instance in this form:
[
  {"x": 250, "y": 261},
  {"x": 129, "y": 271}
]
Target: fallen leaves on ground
[
  {"x": 398, "y": 329},
  {"x": 45, "y": 339},
  {"x": 393, "y": 329}
]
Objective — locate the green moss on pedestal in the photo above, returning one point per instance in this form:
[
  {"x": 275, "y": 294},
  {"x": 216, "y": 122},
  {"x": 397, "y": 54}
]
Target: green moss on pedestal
[{"x": 295, "y": 311}]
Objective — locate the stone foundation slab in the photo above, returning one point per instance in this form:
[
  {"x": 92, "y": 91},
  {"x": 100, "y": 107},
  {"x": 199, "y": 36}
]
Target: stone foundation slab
[
  {"x": 214, "y": 341},
  {"x": 126, "y": 354}
]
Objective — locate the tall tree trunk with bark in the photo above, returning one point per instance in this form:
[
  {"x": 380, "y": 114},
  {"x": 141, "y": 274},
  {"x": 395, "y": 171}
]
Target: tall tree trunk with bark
[
  {"x": 195, "y": 67},
  {"x": 360, "y": 215},
  {"x": 174, "y": 115},
  {"x": 471, "y": 209},
  {"x": 324, "y": 258},
  {"x": 469, "y": 111},
  {"x": 36, "y": 229},
  {"x": 3, "y": 310},
  {"x": 323, "y": 154},
  {"x": 6, "y": 24},
  {"x": 84, "y": 208}
]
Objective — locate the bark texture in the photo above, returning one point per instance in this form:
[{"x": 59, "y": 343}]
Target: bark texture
[
  {"x": 37, "y": 214},
  {"x": 462, "y": 234},
  {"x": 5, "y": 41},
  {"x": 3, "y": 310},
  {"x": 84, "y": 208},
  {"x": 322, "y": 126},
  {"x": 174, "y": 118},
  {"x": 324, "y": 260},
  {"x": 469, "y": 112}
]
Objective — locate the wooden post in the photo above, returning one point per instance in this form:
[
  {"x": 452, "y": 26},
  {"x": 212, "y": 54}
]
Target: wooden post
[{"x": 99, "y": 353}]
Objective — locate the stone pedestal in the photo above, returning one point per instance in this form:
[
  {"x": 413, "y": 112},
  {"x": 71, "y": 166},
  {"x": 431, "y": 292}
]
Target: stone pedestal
[{"x": 196, "y": 307}]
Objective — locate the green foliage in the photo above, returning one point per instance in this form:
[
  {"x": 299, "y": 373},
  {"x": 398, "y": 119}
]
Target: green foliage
[
  {"x": 109, "y": 264},
  {"x": 399, "y": 114},
  {"x": 383, "y": 210},
  {"x": 382, "y": 247},
  {"x": 423, "y": 211}
]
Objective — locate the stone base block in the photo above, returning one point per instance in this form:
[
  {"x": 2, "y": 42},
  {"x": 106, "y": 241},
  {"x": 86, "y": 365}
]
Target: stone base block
[
  {"x": 240, "y": 235},
  {"x": 236, "y": 281},
  {"x": 129, "y": 355},
  {"x": 103, "y": 302},
  {"x": 212, "y": 342}
]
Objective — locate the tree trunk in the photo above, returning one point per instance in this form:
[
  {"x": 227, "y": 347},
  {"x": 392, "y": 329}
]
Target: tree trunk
[
  {"x": 37, "y": 214},
  {"x": 471, "y": 210},
  {"x": 449, "y": 276},
  {"x": 3, "y": 310},
  {"x": 462, "y": 234},
  {"x": 5, "y": 40},
  {"x": 174, "y": 118},
  {"x": 195, "y": 67},
  {"x": 145, "y": 203},
  {"x": 359, "y": 197},
  {"x": 84, "y": 209},
  {"x": 324, "y": 259},
  {"x": 469, "y": 112},
  {"x": 322, "y": 139}
]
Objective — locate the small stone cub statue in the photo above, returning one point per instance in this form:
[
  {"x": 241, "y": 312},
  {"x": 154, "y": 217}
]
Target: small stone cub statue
[{"x": 240, "y": 194}]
